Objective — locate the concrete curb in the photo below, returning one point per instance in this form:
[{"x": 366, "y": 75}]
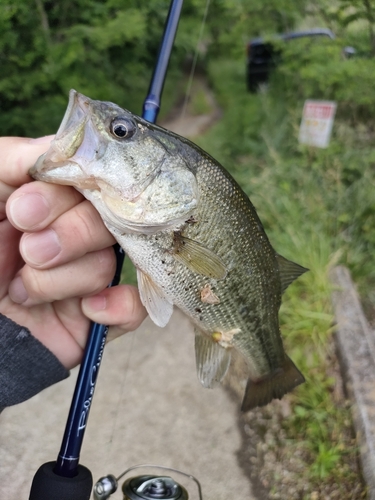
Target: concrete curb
[{"x": 356, "y": 348}]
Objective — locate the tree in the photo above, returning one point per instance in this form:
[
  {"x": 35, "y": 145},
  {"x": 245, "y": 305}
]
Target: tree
[
  {"x": 340, "y": 15},
  {"x": 104, "y": 49}
]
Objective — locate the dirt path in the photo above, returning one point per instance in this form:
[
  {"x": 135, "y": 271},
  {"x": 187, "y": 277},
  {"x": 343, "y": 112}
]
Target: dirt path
[{"x": 189, "y": 120}]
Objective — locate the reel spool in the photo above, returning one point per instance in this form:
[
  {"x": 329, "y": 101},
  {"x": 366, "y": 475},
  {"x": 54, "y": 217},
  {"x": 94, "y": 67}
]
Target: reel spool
[
  {"x": 153, "y": 488},
  {"x": 146, "y": 486}
]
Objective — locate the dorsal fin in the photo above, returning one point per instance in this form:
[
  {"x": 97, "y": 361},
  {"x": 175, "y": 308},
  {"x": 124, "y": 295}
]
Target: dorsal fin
[{"x": 289, "y": 271}]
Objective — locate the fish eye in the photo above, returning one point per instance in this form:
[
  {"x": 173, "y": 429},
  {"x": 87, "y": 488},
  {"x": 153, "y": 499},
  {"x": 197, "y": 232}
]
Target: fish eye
[{"x": 123, "y": 128}]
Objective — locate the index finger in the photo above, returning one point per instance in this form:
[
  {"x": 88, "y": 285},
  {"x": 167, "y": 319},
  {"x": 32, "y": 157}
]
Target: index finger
[{"x": 18, "y": 155}]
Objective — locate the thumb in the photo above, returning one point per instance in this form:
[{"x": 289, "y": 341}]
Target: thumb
[
  {"x": 119, "y": 307},
  {"x": 18, "y": 155}
]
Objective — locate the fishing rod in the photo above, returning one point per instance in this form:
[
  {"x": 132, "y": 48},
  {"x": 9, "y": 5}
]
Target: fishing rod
[{"x": 66, "y": 478}]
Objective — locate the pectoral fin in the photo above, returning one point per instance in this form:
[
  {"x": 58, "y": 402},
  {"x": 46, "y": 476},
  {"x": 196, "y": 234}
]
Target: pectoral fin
[
  {"x": 198, "y": 258},
  {"x": 153, "y": 298},
  {"x": 261, "y": 392},
  {"x": 289, "y": 271},
  {"x": 212, "y": 360}
]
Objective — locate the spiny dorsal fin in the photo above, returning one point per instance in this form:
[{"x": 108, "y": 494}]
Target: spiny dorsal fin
[
  {"x": 198, "y": 258},
  {"x": 275, "y": 385},
  {"x": 153, "y": 298},
  {"x": 289, "y": 271},
  {"x": 212, "y": 360}
]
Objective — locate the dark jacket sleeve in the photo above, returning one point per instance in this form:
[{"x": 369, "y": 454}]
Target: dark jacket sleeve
[{"x": 26, "y": 365}]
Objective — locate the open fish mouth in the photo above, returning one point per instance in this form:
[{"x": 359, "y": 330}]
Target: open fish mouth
[
  {"x": 76, "y": 111},
  {"x": 74, "y": 146}
]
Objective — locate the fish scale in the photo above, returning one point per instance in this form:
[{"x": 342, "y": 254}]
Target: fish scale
[
  {"x": 236, "y": 291},
  {"x": 191, "y": 232}
]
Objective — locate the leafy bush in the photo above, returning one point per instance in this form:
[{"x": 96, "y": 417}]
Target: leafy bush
[
  {"x": 320, "y": 71},
  {"x": 106, "y": 50}
]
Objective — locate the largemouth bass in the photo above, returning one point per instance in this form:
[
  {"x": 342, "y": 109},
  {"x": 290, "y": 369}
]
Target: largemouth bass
[{"x": 191, "y": 232}]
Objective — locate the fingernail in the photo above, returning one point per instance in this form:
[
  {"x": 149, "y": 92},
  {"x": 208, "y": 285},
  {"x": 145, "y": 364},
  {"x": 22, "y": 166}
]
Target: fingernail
[
  {"x": 40, "y": 248},
  {"x": 28, "y": 210},
  {"x": 42, "y": 140},
  {"x": 95, "y": 303},
  {"x": 17, "y": 292}
]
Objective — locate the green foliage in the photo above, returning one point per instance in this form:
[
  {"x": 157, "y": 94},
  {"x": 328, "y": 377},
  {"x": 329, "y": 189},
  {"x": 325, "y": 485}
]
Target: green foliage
[
  {"x": 318, "y": 70},
  {"x": 200, "y": 104},
  {"x": 129, "y": 274},
  {"x": 106, "y": 50},
  {"x": 360, "y": 13},
  {"x": 317, "y": 207},
  {"x": 232, "y": 23}
]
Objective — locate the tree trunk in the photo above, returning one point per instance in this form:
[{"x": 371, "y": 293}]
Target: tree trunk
[{"x": 370, "y": 19}]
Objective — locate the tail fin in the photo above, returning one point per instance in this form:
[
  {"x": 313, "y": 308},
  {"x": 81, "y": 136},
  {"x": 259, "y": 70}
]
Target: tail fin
[{"x": 260, "y": 393}]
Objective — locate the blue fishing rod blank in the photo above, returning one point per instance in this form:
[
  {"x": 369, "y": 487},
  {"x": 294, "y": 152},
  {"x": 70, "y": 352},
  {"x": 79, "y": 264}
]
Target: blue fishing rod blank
[
  {"x": 151, "y": 104},
  {"x": 66, "y": 479}
]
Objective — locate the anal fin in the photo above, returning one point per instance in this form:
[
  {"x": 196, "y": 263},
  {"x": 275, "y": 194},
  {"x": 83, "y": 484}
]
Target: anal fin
[
  {"x": 274, "y": 386},
  {"x": 212, "y": 360}
]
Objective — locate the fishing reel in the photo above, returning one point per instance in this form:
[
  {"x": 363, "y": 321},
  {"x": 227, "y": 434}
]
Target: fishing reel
[{"x": 147, "y": 486}]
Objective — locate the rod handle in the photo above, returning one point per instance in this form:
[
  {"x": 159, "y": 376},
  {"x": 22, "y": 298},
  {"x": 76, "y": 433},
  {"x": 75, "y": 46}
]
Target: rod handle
[{"x": 47, "y": 485}]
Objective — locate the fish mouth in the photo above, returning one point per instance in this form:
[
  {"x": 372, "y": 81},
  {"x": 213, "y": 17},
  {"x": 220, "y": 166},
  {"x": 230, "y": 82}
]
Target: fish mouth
[
  {"x": 76, "y": 110},
  {"x": 75, "y": 145}
]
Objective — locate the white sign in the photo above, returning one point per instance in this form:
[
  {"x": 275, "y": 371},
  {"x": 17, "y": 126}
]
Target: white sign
[{"x": 317, "y": 122}]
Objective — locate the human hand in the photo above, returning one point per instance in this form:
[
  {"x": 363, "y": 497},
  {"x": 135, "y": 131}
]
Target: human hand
[{"x": 56, "y": 259}]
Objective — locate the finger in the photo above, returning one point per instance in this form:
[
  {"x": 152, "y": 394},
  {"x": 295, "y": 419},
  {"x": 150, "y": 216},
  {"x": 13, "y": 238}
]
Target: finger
[
  {"x": 10, "y": 258},
  {"x": 5, "y": 192},
  {"x": 85, "y": 276},
  {"x": 18, "y": 155},
  {"x": 69, "y": 237},
  {"x": 120, "y": 307},
  {"x": 36, "y": 205}
]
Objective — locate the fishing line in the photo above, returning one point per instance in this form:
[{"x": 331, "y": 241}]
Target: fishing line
[{"x": 195, "y": 59}]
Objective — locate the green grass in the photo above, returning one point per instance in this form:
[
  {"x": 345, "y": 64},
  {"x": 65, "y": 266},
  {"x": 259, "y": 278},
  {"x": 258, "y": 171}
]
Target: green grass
[
  {"x": 199, "y": 104},
  {"x": 318, "y": 209},
  {"x": 129, "y": 274}
]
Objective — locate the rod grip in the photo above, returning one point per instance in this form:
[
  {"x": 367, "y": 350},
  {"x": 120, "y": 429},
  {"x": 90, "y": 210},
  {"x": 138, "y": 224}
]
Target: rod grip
[{"x": 47, "y": 485}]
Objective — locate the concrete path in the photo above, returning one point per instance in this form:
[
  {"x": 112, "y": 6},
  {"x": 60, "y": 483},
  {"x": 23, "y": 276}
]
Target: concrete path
[{"x": 148, "y": 408}]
